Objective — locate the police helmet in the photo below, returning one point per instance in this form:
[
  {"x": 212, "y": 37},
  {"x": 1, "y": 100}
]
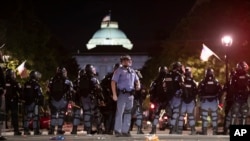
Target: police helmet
[
  {"x": 242, "y": 66},
  {"x": 89, "y": 69},
  {"x": 125, "y": 57},
  {"x": 35, "y": 75},
  {"x": 188, "y": 72},
  {"x": 116, "y": 66},
  {"x": 61, "y": 71},
  {"x": 209, "y": 73},
  {"x": 10, "y": 74},
  {"x": 163, "y": 69},
  {"x": 177, "y": 65},
  {"x": 81, "y": 73}
]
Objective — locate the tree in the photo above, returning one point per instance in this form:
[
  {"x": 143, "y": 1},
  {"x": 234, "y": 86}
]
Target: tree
[{"x": 206, "y": 23}]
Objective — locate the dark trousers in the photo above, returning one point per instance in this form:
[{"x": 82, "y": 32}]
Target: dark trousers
[{"x": 12, "y": 106}]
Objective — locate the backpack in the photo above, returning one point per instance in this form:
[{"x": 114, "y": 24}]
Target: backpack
[
  {"x": 84, "y": 84},
  {"x": 29, "y": 92}
]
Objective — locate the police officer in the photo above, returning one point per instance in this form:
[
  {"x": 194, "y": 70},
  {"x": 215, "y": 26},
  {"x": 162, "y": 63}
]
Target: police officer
[
  {"x": 60, "y": 88},
  {"x": 124, "y": 83},
  {"x": 108, "y": 111},
  {"x": 2, "y": 102},
  {"x": 175, "y": 94},
  {"x": 12, "y": 96},
  {"x": 209, "y": 92},
  {"x": 137, "y": 110},
  {"x": 91, "y": 97},
  {"x": 229, "y": 98},
  {"x": 76, "y": 104},
  {"x": 188, "y": 101},
  {"x": 158, "y": 96},
  {"x": 241, "y": 84},
  {"x": 33, "y": 98}
]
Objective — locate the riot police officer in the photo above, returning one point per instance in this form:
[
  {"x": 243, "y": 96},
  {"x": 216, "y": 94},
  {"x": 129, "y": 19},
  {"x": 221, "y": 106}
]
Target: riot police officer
[
  {"x": 12, "y": 96},
  {"x": 60, "y": 88},
  {"x": 76, "y": 104},
  {"x": 188, "y": 101},
  {"x": 2, "y": 102},
  {"x": 91, "y": 97},
  {"x": 209, "y": 92},
  {"x": 229, "y": 98},
  {"x": 241, "y": 85},
  {"x": 108, "y": 111},
  {"x": 124, "y": 83},
  {"x": 137, "y": 110},
  {"x": 175, "y": 94},
  {"x": 33, "y": 98},
  {"x": 158, "y": 96}
]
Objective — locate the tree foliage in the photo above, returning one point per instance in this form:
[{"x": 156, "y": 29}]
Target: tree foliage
[
  {"x": 27, "y": 38},
  {"x": 206, "y": 23}
]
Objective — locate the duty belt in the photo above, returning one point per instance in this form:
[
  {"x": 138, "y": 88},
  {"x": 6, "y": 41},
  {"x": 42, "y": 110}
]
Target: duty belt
[{"x": 124, "y": 91}]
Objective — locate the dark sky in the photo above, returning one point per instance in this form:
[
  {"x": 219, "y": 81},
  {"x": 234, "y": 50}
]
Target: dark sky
[{"x": 145, "y": 22}]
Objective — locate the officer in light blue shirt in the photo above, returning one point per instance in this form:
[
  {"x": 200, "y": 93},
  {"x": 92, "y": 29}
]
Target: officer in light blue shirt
[{"x": 124, "y": 84}]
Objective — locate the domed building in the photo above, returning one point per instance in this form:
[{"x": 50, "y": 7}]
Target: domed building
[{"x": 105, "y": 48}]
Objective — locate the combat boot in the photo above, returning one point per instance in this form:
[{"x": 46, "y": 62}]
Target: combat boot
[
  {"x": 193, "y": 131},
  {"x": 99, "y": 131},
  {"x": 172, "y": 130},
  {"x": 74, "y": 130},
  {"x": 204, "y": 131},
  {"x": 215, "y": 130},
  {"x": 37, "y": 132},
  {"x": 153, "y": 130},
  {"x": 60, "y": 131},
  {"x": 51, "y": 130},
  {"x": 139, "y": 130},
  {"x": 179, "y": 131},
  {"x": 26, "y": 132}
]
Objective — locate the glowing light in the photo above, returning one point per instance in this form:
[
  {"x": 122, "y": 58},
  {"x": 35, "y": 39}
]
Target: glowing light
[{"x": 227, "y": 41}]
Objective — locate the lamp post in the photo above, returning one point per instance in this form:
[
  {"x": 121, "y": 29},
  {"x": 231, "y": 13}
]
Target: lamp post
[{"x": 226, "y": 42}]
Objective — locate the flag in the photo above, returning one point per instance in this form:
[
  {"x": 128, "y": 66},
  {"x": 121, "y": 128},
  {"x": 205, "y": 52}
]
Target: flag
[
  {"x": 22, "y": 71},
  {"x": 206, "y": 53},
  {"x": 106, "y": 18}
]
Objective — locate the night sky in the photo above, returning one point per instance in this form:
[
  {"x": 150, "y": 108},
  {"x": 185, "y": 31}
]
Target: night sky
[{"x": 145, "y": 22}]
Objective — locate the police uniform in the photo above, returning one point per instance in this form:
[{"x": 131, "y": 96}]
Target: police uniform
[
  {"x": 76, "y": 115},
  {"x": 90, "y": 97},
  {"x": 175, "y": 102},
  {"x": 241, "y": 85},
  {"x": 2, "y": 102},
  {"x": 158, "y": 96},
  {"x": 123, "y": 81},
  {"x": 188, "y": 102},
  {"x": 60, "y": 88},
  {"x": 210, "y": 91},
  {"x": 12, "y": 96},
  {"x": 108, "y": 111},
  {"x": 137, "y": 110},
  {"x": 33, "y": 97},
  {"x": 229, "y": 98}
]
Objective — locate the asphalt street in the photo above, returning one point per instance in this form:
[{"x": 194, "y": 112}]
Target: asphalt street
[{"x": 161, "y": 136}]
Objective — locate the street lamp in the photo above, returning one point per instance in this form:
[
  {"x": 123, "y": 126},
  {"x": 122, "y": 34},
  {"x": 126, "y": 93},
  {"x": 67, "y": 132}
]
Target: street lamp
[{"x": 226, "y": 42}]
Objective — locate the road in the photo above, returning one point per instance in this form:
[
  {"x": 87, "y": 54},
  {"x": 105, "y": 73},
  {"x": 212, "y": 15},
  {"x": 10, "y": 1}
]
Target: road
[{"x": 162, "y": 136}]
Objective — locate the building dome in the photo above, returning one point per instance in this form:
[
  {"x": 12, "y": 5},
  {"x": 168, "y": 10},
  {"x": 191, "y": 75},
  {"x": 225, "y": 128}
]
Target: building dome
[{"x": 109, "y": 35}]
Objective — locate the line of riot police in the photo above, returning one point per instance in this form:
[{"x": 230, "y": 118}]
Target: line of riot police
[{"x": 176, "y": 92}]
